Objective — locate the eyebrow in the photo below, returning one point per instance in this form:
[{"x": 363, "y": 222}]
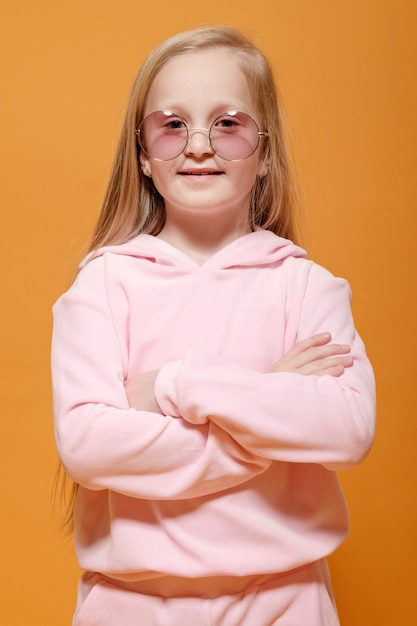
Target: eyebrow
[{"x": 217, "y": 110}]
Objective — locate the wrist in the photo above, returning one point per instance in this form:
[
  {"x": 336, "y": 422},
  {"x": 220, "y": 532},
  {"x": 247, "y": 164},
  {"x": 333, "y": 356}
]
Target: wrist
[{"x": 166, "y": 388}]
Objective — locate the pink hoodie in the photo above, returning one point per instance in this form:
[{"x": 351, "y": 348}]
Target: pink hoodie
[{"x": 238, "y": 477}]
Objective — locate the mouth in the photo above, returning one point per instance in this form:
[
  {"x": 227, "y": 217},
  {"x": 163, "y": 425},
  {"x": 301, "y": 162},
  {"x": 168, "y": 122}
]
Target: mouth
[{"x": 200, "y": 173}]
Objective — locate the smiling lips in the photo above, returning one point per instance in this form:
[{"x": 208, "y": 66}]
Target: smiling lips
[{"x": 200, "y": 173}]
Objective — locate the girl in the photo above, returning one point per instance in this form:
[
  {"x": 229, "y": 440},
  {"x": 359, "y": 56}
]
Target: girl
[{"x": 208, "y": 379}]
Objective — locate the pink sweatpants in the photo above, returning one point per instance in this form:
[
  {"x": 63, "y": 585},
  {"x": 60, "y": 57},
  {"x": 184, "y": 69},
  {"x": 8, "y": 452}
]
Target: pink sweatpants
[{"x": 302, "y": 597}]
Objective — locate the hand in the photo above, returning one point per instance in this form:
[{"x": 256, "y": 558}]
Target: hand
[
  {"x": 316, "y": 356},
  {"x": 140, "y": 392}
]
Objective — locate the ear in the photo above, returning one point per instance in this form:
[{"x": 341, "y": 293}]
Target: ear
[
  {"x": 145, "y": 165},
  {"x": 263, "y": 166}
]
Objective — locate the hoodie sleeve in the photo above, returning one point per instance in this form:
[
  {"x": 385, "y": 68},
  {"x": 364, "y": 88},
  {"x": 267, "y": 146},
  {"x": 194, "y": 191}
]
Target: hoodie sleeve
[
  {"x": 104, "y": 444},
  {"x": 285, "y": 416}
]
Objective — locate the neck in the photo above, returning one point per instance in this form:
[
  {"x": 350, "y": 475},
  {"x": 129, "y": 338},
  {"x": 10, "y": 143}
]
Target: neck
[{"x": 199, "y": 238}]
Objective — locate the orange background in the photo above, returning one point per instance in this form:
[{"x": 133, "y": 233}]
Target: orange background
[{"x": 347, "y": 72}]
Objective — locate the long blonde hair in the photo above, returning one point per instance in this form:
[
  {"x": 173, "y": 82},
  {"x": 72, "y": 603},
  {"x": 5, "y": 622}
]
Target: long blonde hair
[{"x": 132, "y": 205}]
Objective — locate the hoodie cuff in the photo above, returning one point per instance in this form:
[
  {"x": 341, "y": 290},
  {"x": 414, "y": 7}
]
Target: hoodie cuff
[{"x": 166, "y": 388}]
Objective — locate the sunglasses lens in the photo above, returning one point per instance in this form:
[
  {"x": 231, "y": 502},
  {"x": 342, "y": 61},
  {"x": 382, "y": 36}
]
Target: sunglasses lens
[
  {"x": 163, "y": 135},
  {"x": 233, "y": 136}
]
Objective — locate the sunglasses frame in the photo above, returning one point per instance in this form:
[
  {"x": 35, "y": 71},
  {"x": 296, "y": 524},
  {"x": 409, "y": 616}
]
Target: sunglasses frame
[{"x": 190, "y": 131}]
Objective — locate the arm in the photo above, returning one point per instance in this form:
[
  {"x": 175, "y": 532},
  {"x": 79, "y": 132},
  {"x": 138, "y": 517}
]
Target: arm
[
  {"x": 311, "y": 356},
  {"x": 105, "y": 444},
  {"x": 285, "y": 415}
]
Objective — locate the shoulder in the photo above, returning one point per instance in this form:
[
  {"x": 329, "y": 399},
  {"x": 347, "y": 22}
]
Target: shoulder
[
  {"x": 314, "y": 272},
  {"x": 87, "y": 288},
  {"x": 90, "y": 277},
  {"x": 310, "y": 283},
  {"x": 104, "y": 264}
]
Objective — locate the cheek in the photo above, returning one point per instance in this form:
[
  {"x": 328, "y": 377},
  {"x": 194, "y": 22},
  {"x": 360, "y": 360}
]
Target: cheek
[
  {"x": 248, "y": 174},
  {"x": 163, "y": 174}
]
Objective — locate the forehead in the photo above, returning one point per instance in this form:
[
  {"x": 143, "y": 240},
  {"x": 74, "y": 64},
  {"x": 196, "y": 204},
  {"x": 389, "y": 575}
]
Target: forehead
[{"x": 200, "y": 80}]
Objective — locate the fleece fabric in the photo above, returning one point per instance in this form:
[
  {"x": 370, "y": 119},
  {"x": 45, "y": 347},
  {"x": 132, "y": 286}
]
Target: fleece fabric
[{"x": 238, "y": 477}]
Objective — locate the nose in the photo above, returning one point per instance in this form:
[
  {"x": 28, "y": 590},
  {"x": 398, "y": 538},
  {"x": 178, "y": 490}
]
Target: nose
[{"x": 198, "y": 142}]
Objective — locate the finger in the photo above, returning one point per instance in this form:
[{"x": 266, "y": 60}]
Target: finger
[
  {"x": 319, "y": 354},
  {"x": 335, "y": 370},
  {"x": 326, "y": 366},
  {"x": 324, "y": 352},
  {"x": 296, "y": 356},
  {"x": 311, "y": 342},
  {"x": 306, "y": 351}
]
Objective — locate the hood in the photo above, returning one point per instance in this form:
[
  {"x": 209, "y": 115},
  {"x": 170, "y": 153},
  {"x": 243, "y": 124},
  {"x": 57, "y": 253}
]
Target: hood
[{"x": 256, "y": 249}]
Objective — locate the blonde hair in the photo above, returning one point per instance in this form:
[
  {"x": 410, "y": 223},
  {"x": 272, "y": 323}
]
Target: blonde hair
[{"x": 132, "y": 205}]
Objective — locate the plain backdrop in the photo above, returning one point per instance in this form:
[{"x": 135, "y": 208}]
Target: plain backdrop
[{"x": 347, "y": 74}]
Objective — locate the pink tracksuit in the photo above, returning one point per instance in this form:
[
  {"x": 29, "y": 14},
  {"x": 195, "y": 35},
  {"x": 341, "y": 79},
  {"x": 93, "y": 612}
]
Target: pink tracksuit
[{"x": 220, "y": 512}]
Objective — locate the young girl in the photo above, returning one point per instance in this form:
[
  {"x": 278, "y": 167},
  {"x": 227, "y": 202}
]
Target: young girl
[{"x": 208, "y": 379}]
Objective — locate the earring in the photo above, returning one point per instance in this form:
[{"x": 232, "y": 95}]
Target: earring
[{"x": 147, "y": 172}]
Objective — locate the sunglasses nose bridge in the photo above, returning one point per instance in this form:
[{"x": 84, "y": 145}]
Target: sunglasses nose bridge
[{"x": 191, "y": 132}]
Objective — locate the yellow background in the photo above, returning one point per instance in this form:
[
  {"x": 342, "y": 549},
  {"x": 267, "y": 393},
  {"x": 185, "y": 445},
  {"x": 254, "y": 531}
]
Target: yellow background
[{"x": 347, "y": 72}]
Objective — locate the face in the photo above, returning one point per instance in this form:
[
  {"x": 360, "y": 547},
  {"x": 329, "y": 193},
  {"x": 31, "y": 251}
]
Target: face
[{"x": 200, "y": 86}]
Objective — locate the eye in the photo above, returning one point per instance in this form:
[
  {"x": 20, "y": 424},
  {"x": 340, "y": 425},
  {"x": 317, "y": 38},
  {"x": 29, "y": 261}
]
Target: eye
[
  {"x": 226, "y": 122},
  {"x": 172, "y": 122},
  {"x": 229, "y": 122},
  {"x": 175, "y": 124}
]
